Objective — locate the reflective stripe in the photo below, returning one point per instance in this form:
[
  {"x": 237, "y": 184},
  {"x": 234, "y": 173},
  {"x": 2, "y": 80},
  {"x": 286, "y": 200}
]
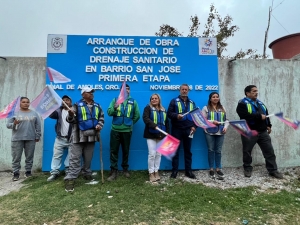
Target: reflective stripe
[
  {"x": 129, "y": 107},
  {"x": 97, "y": 112},
  {"x": 222, "y": 116},
  {"x": 212, "y": 116},
  {"x": 155, "y": 117},
  {"x": 165, "y": 117},
  {"x": 191, "y": 106},
  {"x": 119, "y": 110},
  {"x": 264, "y": 107},
  {"x": 83, "y": 112},
  {"x": 179, "y": 107},
  {"x": 249, "y": 108}
]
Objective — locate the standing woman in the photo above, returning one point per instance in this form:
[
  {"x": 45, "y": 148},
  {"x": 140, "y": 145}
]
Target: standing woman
[
  {"x": 215, "y": 112},
  {"x": 26, "y": 131},
  {"x": 154, "y": 116}
]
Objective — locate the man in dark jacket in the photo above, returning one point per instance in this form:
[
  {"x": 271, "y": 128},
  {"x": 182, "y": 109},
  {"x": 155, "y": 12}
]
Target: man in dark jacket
[
  {"x": 255, "y": 113},
  {"x": 63, "y": 132},
  {"x": 182, "y": 129}
]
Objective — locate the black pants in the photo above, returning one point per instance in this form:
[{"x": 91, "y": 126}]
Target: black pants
[
  {"x": 263, "y": 139},
  {"x": 183, "y": 136}
]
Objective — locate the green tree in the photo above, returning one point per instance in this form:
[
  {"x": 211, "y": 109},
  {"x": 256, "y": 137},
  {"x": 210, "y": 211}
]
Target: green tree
[{"x": 225, "y": 30}]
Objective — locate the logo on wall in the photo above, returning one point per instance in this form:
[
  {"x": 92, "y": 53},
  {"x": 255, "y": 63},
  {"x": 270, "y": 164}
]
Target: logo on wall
[
  {"x": 57, "y": 43},
  {"x": 207, "y": 46}
]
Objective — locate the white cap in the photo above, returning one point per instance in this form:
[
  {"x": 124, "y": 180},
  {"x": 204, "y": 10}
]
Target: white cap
[{"x": 87, "y": 89}]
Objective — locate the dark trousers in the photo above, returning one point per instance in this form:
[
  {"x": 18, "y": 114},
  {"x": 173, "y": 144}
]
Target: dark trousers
[
  {"x": 263, "y": 139},
  {"x": 183, "y": 136},
  {"x": 117, "y": 139}
]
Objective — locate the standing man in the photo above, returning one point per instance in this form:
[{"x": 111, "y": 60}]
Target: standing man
[
  {"x": 124, "y": 116},
  {"x": 63, "y": 132},
  {"x": 182, "y": 128},
  {"x": 87, "y": 119},
  {"x": 254, "y": 112}
]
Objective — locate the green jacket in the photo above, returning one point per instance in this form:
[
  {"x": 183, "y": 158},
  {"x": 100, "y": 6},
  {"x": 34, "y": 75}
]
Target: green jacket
[{"x": 111, "y": 111}]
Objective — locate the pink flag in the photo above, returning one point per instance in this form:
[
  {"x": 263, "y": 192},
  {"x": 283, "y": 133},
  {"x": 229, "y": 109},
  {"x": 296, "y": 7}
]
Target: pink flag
[
  {"x": 168, "y": 146},
  {"x": 123, "y": 94},
  {"x": 292, "y": 123},
  {"x": 56, "y": 77},
  {"x": 46, "y": 102},
  {"x": 242, "y": 127},
  {"x": 11, "y": 109}
]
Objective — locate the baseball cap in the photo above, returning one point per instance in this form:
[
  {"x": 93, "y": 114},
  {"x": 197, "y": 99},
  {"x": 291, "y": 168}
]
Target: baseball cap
[
  {"x": 66, "y": 96},
  {"x": 87, "y": 89}
]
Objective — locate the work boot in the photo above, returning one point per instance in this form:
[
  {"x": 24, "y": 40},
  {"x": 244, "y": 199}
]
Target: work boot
[
  {"x": 247, "y": 173},
  {"x": 126, "y": 173},
  {"x": 113, "y": 175},
  {"x": 152, "y": 177},
  {"x": 156, "y": 174},
  {"x": 276, "y": 174}
]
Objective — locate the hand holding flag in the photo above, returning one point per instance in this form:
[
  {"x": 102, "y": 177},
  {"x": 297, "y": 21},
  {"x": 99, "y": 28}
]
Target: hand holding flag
[
  {"x": 167, "y": 146},
  {"x": 123, "y": 95}
]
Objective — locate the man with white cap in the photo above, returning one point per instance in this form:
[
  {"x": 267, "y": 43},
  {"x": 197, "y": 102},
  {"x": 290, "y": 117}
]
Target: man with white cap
[
  {"x": 87, "y": 118},
  {"x": 63, "y": 132}
]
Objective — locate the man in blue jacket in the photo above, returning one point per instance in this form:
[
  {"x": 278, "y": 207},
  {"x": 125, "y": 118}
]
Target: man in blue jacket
[
  {"x": 63, "y": 132},
  {"x": 255, "y": 113},
  {"x": 182, "y": 129}
]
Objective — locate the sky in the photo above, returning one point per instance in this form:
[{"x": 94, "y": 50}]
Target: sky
[{"x": 24, "y": 25}]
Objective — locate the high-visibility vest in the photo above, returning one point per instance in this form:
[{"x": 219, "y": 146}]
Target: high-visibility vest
[
  {"x": 159, "y": 118},
  {"x": 219, "y": 116},
  {"x": 253, "y": 109},
  {"x": 180, "y": 108},
  {"x": 124, "y": 113},
  {"x": 87, "y": 119}
]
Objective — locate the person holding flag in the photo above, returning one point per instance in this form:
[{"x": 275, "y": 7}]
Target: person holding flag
[
  {"x": 87, "y": 119},
  {"x": 125, "y": 113},
  {"x": 183, "y": 128},
  {"x": 216, "y": 113},
  {"x": 63, "y": 132},
  {"x": 26, "y": 131},
  {"x": 154, "y": 116},
  {"x": 256, "y": 114}
]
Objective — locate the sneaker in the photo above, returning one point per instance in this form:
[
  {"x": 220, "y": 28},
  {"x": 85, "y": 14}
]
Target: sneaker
[
  {"x": 174, "y": 174},
  {"x": 27, "y": 174},
  {"x": 212, "y": 174},
  {"x": 113, "y": 175},
  {"x": 220, "y": 173},
  {"x": 16, "y": 176},
  {"x": 69, "y": 185},
  {"x": 152, "y": 177},
  {"x": 247, "y": 173},
  {"x": 87, "y": 177},
  {"x": 126, "y": 173},
  {"x": 53, "y": 177},
  {"x": 157, "y": 177},
  {"x": 276, "y": 174}
]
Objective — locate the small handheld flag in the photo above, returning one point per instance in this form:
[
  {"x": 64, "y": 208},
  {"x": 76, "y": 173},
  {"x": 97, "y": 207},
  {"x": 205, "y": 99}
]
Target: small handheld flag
[
  {"x": 123, "y": 94},
  {"x": 242, "y": 127},
  {"x": 46, "y": 102},
  {"x": 292, "y": 123},
  {"x": 167, "y": 146},
  {"x": 199, "y": 119},
  {"x": 56, "y": 77},
  {"x": 10, "y": 109}
]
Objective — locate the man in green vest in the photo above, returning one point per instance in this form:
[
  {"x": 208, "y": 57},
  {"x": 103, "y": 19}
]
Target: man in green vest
[{"x": 125, "y": 115}]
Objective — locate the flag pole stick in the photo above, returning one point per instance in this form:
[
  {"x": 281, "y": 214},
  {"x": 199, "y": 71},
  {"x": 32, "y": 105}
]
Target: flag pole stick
[
  {"x": 160, "y": 130},
  {"x": 218, "y": 121},
  {"x": 270, "y": 115},
  {"x": 101, "y": 161},
  {"x": 190, "y": 111}
]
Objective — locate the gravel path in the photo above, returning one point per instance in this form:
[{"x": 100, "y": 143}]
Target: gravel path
[{"x": 234, "y": 178}]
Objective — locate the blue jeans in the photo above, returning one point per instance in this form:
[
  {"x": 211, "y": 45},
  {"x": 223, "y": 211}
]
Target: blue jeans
[
  {"x": 214, "y": 144},
  {"x": 60, "y": 145}
]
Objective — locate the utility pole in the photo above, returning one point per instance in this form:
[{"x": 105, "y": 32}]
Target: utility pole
[{"x": 266, "y": 33}]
